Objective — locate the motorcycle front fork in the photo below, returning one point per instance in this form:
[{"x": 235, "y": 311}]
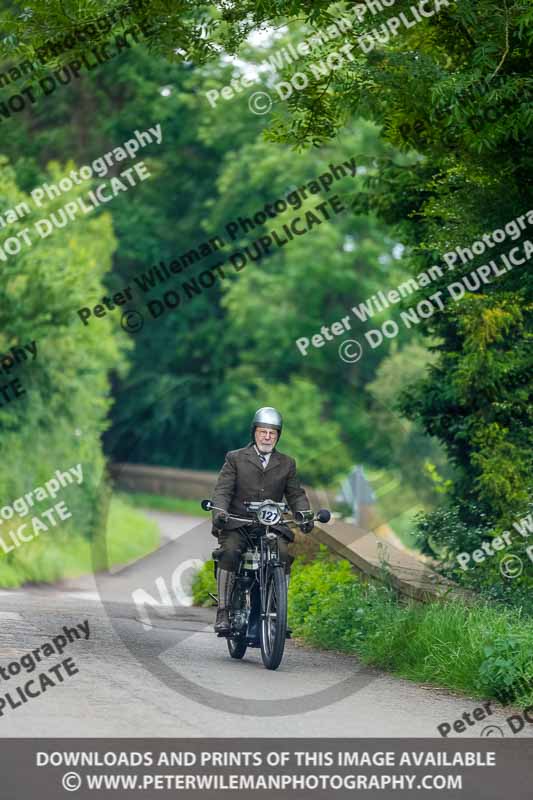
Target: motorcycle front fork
[{"x": 269, "y": 555}]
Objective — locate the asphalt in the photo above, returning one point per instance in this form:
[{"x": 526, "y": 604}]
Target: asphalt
[{"x": 152, "y": 666}]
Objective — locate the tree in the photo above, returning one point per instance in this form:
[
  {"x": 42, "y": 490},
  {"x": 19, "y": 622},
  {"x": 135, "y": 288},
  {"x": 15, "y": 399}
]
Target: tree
[
  {"x": 59, "y": 420},
  {"x": 436, "y": 85},
  {"x": 193, "y": 356},
  {"x": 456, "y": 86}
]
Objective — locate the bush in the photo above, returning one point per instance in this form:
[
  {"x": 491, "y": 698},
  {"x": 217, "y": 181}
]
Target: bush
[
  {"x": 446, "y": 532},
  {"x": 203, "y": 583},
  {"x": 508, "y": 669},
  {"x": 478, "y": 649},
  {"x": 311, "y": 583}
]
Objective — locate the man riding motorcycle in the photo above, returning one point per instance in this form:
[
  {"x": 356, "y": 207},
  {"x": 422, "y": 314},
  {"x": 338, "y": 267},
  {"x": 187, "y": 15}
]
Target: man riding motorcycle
[{"x": 255, "y": 472}]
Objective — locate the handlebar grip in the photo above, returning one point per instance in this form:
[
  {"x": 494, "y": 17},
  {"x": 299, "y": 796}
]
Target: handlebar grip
[{"x": 303, "y": 516}]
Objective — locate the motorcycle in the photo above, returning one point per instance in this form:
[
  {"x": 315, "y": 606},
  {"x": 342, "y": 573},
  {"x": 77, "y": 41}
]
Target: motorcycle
[{"x": 258, "y": 603}]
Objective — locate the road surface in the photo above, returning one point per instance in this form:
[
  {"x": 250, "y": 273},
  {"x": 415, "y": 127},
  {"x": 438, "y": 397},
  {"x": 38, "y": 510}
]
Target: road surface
[{"x": 173, "y": 677}]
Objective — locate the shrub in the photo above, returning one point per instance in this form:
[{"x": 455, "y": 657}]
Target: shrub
[
  {"x": 445, "y": 532},
  {"x": 478, "y": 648},
  {"x": 203, "y": 583}
]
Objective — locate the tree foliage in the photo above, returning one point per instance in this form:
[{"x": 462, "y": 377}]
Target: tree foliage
[
  {"x": 59, "y": 421},
  {"x": 449, "y": 98},
  {"x": 456, "y": 87}
]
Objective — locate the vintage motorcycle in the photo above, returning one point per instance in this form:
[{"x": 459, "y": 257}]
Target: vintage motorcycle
[{"x": 258, "y": 604}]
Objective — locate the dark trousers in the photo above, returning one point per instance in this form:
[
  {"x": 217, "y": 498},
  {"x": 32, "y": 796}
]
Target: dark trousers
[{"x": 233, "y": 543}]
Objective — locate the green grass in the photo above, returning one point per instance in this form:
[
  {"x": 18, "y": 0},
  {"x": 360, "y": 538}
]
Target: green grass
[
  {"x": 478, "y": 649},
  {"x": 158, "y": 502},
  {"x": 130, "y": 533},
  {"x": 64, "y": 553}
]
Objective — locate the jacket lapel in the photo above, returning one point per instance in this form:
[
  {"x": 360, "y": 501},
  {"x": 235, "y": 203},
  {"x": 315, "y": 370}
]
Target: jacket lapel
[{"x": 254, "y": 458}]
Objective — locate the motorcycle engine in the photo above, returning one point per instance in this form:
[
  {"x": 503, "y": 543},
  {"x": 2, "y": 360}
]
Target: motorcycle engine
[{"x": 240, "y": 619}]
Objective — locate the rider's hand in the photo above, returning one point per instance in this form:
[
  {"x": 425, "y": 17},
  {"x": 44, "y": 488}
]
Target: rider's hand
[
  {"x": 220, "y": 519},
  {"x": 307, "y": 527}
]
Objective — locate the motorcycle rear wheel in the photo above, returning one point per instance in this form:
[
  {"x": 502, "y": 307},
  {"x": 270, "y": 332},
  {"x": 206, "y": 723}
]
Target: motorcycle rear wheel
[
  {"x": 237, "y": 643},
  {"x": 274, "y": 621}
]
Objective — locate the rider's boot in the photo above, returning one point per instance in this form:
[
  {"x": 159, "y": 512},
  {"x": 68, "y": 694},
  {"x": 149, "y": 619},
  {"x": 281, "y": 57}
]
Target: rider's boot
[
  {"x": 225, "y": 580},
  {"x": 222, "y": 625}
]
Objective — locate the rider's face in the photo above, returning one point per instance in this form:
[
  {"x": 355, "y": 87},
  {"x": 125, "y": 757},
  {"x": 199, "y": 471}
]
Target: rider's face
[{"x": 265, "y": 439}]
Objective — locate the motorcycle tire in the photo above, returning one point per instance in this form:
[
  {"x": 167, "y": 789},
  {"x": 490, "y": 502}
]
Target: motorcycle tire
[
  {"x": 274, "y": 619},
  {"x": 237, "y": 647},
  {"x": 237, "y": 643}
]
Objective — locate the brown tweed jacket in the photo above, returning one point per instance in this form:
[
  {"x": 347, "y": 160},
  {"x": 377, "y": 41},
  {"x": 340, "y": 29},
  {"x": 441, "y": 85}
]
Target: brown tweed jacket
[{"x": 243, "y": 478}]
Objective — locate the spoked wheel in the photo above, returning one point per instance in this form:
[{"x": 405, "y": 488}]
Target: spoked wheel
[
  {"x": 274, "y": 623},
  {"x": 237, "y": 643}
]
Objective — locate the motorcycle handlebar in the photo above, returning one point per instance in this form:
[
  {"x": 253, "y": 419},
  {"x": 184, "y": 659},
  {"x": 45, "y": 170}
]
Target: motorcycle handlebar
[{"x": 300, "y": 517}]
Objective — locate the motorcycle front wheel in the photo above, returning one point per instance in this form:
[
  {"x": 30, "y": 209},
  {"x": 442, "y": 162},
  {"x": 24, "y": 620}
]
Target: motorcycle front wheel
[{"x": 274, "y": 618}]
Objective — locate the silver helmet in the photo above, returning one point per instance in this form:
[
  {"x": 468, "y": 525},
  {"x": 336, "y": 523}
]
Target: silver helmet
[{"x": 267, "y": 416}]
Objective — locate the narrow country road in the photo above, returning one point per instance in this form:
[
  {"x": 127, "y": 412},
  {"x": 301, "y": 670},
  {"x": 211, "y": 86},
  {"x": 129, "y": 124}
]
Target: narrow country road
[{"x": 158, "y": 670}]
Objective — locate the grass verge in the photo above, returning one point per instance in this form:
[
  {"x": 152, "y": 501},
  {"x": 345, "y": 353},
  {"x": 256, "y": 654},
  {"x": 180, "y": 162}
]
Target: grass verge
[
  {"x": 64, "y": 553},
  {"x": 157, "y": 502},
  {"x": 478, "y": 649}
]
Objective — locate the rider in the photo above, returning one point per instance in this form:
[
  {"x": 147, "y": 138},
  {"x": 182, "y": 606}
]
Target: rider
[{"x": 255, "y": 472}]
